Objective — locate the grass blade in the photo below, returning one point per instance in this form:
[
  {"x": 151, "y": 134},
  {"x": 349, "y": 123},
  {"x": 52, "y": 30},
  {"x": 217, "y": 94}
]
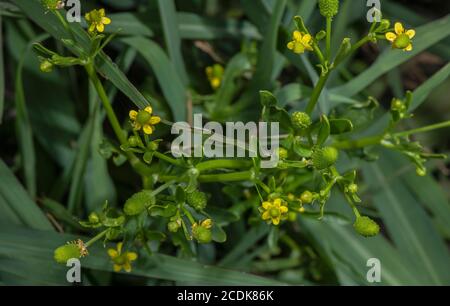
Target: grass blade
[
  {"x": 172, "y": 38},
  {"x": 434, "y": 32}
]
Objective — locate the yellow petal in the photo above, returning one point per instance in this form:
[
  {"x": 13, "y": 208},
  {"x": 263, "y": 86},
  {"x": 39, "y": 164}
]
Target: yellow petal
[
  {"x": 209, "y": 71},
  {"x": 101, "y": 12},
  {"x": 299, "y": 48},
  {"x": 399, "y": 29},
  {"x": 87, "y": 17},
  {"x": 127, "y": 267},
  {"x": 117, "y": 268},
  {"x": 132, "y": 256},
  {"x": 155, "y": 120},
  {"x": 266, "y": 205},
  {"x": 112, "y": 253},
  {"x": 411, "y": 34},
  {"x": 291, "y": 45},
  {"x": 119, "y": 247},
  {"x": 133, "y": 114},
  {"x": 276, "y": 221},
  {"x": 306, "y": 39},
  {"x": 297, "y": 35},
  {"x": 148, "y": 129},
  {"x": 308, "y": 47},
  {"x": 277, "y": 202},
  {"x": 106, "y": 20},
  {"x": 283, "y": 209},
  {"x": 100, "y": 27},
  {"x": 409, "y": 47},
  {"x": 266, "y": 215},
  {"x": 149, "y": 109},
  {"x": 215, "y": 83},
  {"x": 391, "y": 36},
  {"x": 92, "y": 27}
]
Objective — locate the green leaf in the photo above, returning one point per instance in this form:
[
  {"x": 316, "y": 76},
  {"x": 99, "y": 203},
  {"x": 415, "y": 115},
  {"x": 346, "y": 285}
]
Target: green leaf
[
  {"x": 35, "y": 11},
  {"x": 424, "y": 90},
  {"x": 15, "y": 197},
  {"x": 427, "y": 36},
  {"x": 24, "y": 244},
  {"x": 408, "y": 224},
  {"x": 192, "y": 26},
  {"x": 167, "y": 76},
  {"x": 2, "y": 73},
  {"x": 324, "y": 130},
  {"x": 172, "y": 38},
  {"x": 267, "y": 98},
  {"x": 340, "y": 126}
]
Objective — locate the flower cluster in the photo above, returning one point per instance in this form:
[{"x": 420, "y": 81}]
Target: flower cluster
[
  {"x": 97, "y": 20},
  {"x": 274, "y": 211},
  {"x": 300, "y": 42},
  {"x": 144, "y": 119}
]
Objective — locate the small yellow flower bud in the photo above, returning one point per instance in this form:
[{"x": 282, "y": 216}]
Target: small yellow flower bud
[
  {"x": 307, "y": 197},
  {"x": 93, "y": 218},
  {"x": 46, "y": 66},
  {"x": 174, "y": 226}
]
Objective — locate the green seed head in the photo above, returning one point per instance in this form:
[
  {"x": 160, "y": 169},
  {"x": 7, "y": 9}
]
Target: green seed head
[
  {"x": 307, "y": 197},
  {"x": 282, "y": 153},
  {"x": 325, "y": 157},
  {"x": 202, "y": 234},
  {"x": 197, "y": 200},
  {"x": 366, "y": 227},
  {"x": 329, "y": 8},
  {"x": 274, "y": 212},
  {"x": 402, "y": 41},
  {"x": 138, "y": 202},
  {"x": 352, "y": 188},
  {"x": 301, "y": 120},
  {"x": 173, "y": 226},
  {"x": 66, "y": 252},
  {"x": 143, "y": 117},
  {"x": 94, "y": 218}
]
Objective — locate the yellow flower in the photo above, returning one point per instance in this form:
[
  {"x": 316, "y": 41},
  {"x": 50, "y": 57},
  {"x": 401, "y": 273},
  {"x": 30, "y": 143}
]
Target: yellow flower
[
  {"x": 274, "y": 211},
  {"x": 97, "y": 20},
  {"x": 401, "y": 39},
  {"x": 121, "y": 260},
  {"x": 215, "y": 74},
  {"x": 144, "y": 120},
  {"x": 300, "y": 42}
]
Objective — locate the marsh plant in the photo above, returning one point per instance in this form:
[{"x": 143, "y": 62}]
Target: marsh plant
[{"x": 187, "y": 204}]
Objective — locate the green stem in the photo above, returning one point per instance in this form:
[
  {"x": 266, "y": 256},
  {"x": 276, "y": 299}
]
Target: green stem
[
  {"x": 360, "y": 143},
  {"x": 359, "y": 44},
  {"x": 163, "y": 187},
  {"x": 166, "y": 158},
  {"x": 223, "y": 163},
  {"x": 316, "y": 92},
  {"x": 140, "y": 167},
  {"x": 226, "y": 177},
  {"x": 96, "y": 238},
  {"x": 328, "y": 42},
  {"x": 424, "y": 129}
]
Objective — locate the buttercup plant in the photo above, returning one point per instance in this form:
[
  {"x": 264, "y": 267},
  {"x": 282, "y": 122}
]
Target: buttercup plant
[{"x": 174, "y": 207}]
